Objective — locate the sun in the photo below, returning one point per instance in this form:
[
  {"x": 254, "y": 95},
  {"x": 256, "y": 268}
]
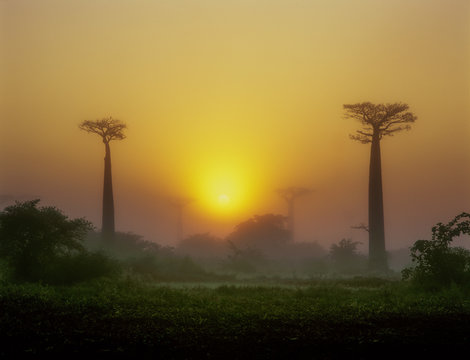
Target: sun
[
  {"x": 224, "y": 186},
  {"x": 224, "y": 199}
]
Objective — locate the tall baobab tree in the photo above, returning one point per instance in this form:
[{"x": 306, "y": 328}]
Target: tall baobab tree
[
  {"x": 108, "y": 129},
  {"x": 290, "y": 194},
  {"x": 377, "y": 121}
]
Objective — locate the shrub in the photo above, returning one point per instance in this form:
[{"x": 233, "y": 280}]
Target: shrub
[
  {"x": 41, "y": 244},
  {"x": 435, "y": 263},
  {"x": 31, "y": 237}
]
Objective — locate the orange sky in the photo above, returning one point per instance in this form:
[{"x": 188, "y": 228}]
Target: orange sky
[{"x": 238, "y": 97}]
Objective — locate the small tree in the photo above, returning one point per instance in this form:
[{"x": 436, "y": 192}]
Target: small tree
[
  {"x": 32, "y": 238},
  {"x": 377, "y": 121},
  {"x": 436, "y": 263},
  {"x": 108, "y": 129}
]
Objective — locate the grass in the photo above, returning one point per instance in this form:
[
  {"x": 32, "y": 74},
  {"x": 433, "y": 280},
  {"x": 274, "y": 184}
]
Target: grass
[{"x": 358, "y": 318}]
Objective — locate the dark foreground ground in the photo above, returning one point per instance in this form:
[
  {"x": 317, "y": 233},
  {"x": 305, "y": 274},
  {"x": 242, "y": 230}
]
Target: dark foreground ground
[{"x": 319, "y": 321}]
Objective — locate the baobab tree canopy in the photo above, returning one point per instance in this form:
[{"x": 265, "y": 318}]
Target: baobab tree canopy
[
  {"x": 380, "y": 119},
  {"x": 108, "y": 128}
]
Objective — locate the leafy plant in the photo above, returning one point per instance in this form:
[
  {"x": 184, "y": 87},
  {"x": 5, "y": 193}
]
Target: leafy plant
[
  {"x": 436, "y": 263},
  {"x": 43, "y": 244}
]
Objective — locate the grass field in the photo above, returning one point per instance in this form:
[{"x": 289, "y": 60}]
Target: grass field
[{"x": 349, "y": 318}]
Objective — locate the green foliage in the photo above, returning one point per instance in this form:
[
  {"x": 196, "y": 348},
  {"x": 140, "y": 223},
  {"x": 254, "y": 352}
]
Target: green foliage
[
  {"x": 333, "y": 319},
  {"x": 31, "y": 237},
  {"x": 436, "y": 263},
  {"x": 42, "y": 244}
]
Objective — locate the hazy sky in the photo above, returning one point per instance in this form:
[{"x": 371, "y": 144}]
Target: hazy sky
[{"x": 236, "y": 98}]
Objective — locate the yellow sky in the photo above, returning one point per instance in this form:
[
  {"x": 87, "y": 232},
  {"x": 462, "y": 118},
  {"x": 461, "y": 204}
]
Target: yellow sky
[{"x": 236, "y": 97}]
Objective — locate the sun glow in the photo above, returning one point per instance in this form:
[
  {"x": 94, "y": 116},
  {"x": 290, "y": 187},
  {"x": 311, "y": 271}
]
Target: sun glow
[
  {"x": 224, "y": 199},
  {"x": 225, "y": 190}
]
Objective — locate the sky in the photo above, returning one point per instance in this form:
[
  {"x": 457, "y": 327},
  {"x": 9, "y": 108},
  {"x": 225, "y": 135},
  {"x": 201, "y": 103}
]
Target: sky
[{"x": 227, "y": 101}]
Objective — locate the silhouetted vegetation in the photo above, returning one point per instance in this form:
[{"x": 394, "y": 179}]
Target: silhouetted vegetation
[
  {"x": 310, "y": 300},
  {"x": 264, "y": 232},
  {"x": 108, "y": 129},
  {"x": 118, "y": 307},
  {"x": 42, "y": 244},
  {"x": 377, "y": 121},
  {"x": 436, "y": 263}
]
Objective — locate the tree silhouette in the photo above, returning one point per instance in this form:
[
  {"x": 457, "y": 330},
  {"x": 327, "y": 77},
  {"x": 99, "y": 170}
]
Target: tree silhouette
[
  {"x": 35, "y": 239},
  {"x": 263, "y": 232},
  {"x": 377, "y": 121},
  {"x": 290, "y": 194},
  {"x": 108, "y": 129}
]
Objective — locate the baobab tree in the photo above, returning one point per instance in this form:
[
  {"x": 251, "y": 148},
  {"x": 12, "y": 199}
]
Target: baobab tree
[
  {"x": 108, "y": 129},
  {"x": 377, "y": 121},
  {"x": 290, "y": 194}
]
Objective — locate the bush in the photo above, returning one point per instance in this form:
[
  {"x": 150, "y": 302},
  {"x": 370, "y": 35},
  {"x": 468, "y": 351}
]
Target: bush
[
  {"x": 435, "y": 263},
  {"x": 40, "y": 244}
]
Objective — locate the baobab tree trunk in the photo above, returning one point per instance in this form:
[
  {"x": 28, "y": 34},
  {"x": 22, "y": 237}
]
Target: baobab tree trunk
[
  {"x": 377, "y": 254},
  {"x": 108, "y": 201}
]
